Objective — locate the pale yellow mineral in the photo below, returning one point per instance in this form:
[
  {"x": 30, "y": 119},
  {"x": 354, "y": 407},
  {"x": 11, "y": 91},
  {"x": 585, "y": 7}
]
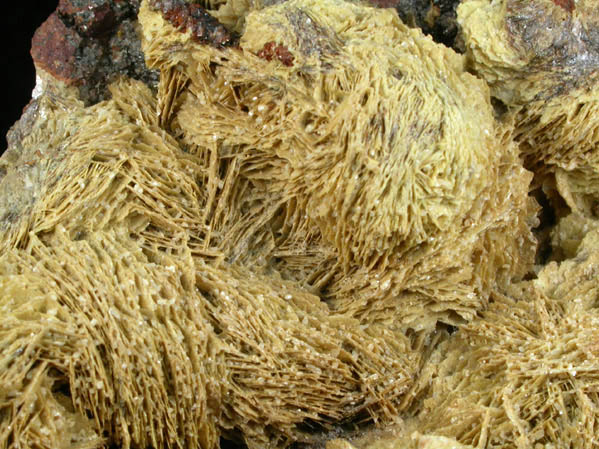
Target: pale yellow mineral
[
  {"x": 273, "y": 245},
  {"x": 397, "y": 438},
  {"x": 394, "y": 185},
  {"x": 525, "y": 374}
]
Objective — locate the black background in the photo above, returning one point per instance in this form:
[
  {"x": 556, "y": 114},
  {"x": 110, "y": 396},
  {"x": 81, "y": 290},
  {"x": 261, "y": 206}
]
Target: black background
[{"x": 20, "y": 20}]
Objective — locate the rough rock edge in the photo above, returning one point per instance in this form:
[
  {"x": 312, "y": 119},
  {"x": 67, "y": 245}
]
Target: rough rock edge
[
  {"x": 437, "y": 18},
  {"x": 192, "y": 17},
  {"x": 89, "y": 43}
]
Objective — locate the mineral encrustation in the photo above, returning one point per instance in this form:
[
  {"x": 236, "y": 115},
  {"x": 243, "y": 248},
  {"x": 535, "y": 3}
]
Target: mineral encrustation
[
  {"x": 541, "y": 59},
  {"x": 296, "y": 222}
]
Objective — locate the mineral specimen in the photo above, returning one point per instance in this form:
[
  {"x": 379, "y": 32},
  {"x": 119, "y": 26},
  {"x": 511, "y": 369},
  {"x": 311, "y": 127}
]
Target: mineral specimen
[{"x": 313, "y": 223}]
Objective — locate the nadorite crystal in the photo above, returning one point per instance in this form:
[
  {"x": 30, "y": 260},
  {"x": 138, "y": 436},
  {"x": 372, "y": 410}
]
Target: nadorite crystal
[{"x": 269, "y": 246}]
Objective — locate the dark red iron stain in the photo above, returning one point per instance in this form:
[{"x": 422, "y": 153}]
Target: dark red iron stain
[
  {"x": 54, "y": 47},
  {"x": 271, "y": 51},
  {"x": 567, "y": 5},
  {"x": 192, "y": 17}
]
